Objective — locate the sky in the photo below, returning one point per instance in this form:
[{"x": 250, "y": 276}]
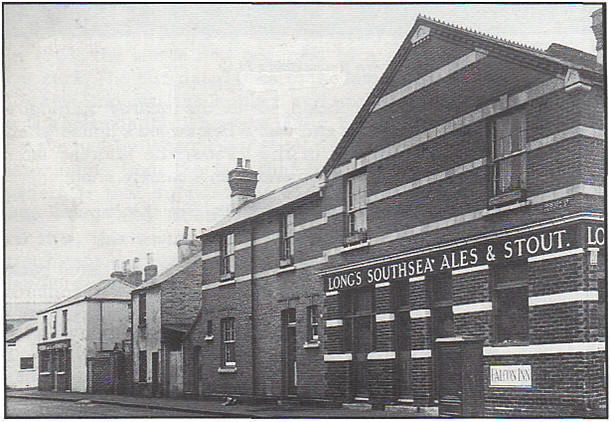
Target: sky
[{"x": 122, "y": 121}]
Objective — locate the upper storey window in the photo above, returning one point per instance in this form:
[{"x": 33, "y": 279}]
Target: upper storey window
[
  {"x": 227, "y": 256},
  {"x": 508, "y": 158},
  {"x": 287, "y": 244},
  {"x": 356, "y": 206}
]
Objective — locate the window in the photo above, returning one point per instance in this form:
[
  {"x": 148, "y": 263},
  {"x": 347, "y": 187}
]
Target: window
[
  {"x": 64, "y": 322},
  {"x": 356, "y": 206},
  {"x": 209, "y": 332},
  {"x": 45, "y": 327},
  {"x": 142, "y": 309},
  {"x": 287, "y": 232},
  {"x": 53, "y": 324},
  {"x": 228, "y": 343},
  {"x": 440, "y": 286},
  {"x": 509, "y": 156},
  {"x": 511, "y": 303},
  {"x": 227, "y": 256},
  {"x": 61, "y": 360},
  {"x": 142, "y": 366},
  {"x": 312, "y": 312},
  {"x": 359, "y": 320},
  {"x": 45, "y": 361},
  {"x": 26, "y": 362}
]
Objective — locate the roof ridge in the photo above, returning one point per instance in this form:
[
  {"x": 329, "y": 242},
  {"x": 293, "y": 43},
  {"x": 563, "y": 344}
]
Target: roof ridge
[
  {"x": 71, "y": 296},
  {"x": 481, "y": 34}
]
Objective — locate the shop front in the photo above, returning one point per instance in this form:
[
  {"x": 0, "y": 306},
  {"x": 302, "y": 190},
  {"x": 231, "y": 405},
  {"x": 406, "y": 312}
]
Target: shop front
[
  {"x": 55, "y": 363},
  {"x": 501, "y": 321}
]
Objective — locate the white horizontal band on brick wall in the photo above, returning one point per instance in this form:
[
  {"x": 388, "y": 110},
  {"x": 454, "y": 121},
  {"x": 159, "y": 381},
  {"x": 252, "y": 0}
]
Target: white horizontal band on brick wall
[
  {"x": 419, "y": 313},
  {"x": 566, "y": 134},
  {"x": 578, "y": 296},
  {"x": 380, "y": 355},
  {"x": 414, "y": 279},
  {"x": 332, "y": 293},
  {"x": 242, "y": 278},
  {"x": 430, "y": 78},
  {"x": 470, "y": 270},
  {"x": 541, "y": 349},
  {"x": 334, "y": 322},
  {"x": 382, "y": 284},
  {"x": 266, "y": 239},
  {"x": 472, "y": 307},
  {"x": 210, "y": 255},
  {"x": 420, "y": 354},
  {"x": 337, "y": 357},
  {"x": 385, "y": 317},
  {"x": 560, "y": 254},
  {"x": 571, "y": 190},
  {"x": 241, "y": 246}
]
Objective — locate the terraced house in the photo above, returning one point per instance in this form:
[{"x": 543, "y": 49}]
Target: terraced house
[{"x": 450, "y": 251}]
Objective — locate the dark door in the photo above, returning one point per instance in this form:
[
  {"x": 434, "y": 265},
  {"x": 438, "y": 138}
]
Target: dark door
[
  {"x": 196, "y": 369},
  {"x": 289, "y": 351},
  {"x": 449, "y": 378},
  {"x": 362, "y": 345},
  {"x": 155, "y": 373}
]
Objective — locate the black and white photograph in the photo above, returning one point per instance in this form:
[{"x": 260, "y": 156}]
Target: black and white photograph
[{"x": 305, "y": 210}]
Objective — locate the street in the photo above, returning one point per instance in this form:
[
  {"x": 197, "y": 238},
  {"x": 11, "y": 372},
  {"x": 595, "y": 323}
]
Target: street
[{"x": 16, "y": 407}]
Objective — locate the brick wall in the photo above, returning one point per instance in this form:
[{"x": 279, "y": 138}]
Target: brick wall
[{"x": 181, "y": 295}]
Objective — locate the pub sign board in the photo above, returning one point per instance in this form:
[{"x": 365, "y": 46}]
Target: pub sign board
[
  {"x": 489, "y": 252},
  {"x": 516, "y": 376}
]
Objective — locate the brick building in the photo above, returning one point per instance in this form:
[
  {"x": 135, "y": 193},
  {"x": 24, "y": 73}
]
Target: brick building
[
  {"x": 163, "y": 308},
  {"x": 451, "y": 250}
]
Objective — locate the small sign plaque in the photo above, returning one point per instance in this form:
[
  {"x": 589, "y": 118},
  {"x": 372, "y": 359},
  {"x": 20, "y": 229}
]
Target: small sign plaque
[{"x": 517, "y": 376}]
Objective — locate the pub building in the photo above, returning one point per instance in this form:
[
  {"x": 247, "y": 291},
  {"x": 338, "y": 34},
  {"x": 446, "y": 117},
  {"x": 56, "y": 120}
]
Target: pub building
[{"x": 451, "y": 251}]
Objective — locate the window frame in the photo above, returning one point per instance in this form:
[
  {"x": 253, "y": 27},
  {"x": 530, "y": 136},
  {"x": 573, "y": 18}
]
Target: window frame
[
  {"x": 142, "y": 309},
  {"x": 45, "y": 327},
  {"x": 29, "y": 368},
  {"x": 351, "y": 316},
  {"x": 44, "y": 363},
  {"x": 287, "y": 239},
  {"x": 227, "y": 255},
  {"x": 498, "y": 285},
  {"x": 498, "y": 195},
  {"x": 53, "y": 324},
  {"x": 313, "y": 326},
  {"x": 355, "y": 204},
  {"x": 64, "y": 322},
  {"x": 228, "y": 340},
  {"x": 441, "y": 306}
]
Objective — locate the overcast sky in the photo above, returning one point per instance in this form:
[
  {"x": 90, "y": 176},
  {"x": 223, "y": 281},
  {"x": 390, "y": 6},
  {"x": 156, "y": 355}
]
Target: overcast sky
[{"x": 122, "y": 121}]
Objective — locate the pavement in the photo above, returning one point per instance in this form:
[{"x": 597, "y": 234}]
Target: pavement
[{"x": 215, "y": 408}]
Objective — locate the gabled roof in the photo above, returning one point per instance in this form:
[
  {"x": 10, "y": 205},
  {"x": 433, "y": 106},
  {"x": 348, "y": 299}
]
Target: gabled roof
[
  {"x": 550, "y": 60},
  {"x": 109, "y": 289},
  {"x": 273, "y": 199},
  {"x": 173, "y": 270},
  {"x": 21, "y": 330}
]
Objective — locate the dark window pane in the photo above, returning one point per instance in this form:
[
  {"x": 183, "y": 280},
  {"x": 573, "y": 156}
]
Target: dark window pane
[
  {"x": 512, "y": 314},
  {"x": 443, "y": 322}
]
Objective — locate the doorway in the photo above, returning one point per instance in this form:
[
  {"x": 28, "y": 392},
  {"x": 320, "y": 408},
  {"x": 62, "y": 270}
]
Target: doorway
[
  {"x": 155, "y": 373},
  {"x": 289, "y": 351}
]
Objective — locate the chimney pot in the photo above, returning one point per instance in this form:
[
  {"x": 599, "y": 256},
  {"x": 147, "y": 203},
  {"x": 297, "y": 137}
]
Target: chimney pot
[
  {"x": 247, "y": 163},
  {"x": 149, "y": 258},
  {"x": 185, "y": 234},
  {"x": 243, "y": 184},
  {"x": 136, "y": 266},
  {"x": 193, "y": 233},
  {"x": 239, "y": 165},
  {"x": 203, "y": 230}
]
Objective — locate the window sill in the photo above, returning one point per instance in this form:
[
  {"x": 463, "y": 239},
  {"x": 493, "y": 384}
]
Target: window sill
[
  {"x": 208, "y": 338},
  {"x": 225, "y": 277},
  {"x": 27, "y": 370},
  {"x": 507, "y": 208},
  {"x": 60, "y": 373},
  {"x": 286, "y": 263},
  {"x": 286, "y": 269},
  {"x": 355, "y": 246},
  {"x": 510, "y": 343},
  {"x": 311, "y": 345},
  {"x": 506, "y": 198},
  {"x": 227, "y": 370},
  {"x": 44, "y": 373}
]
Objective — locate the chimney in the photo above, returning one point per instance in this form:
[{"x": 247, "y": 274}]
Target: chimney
[
  {"x": 188, "y": 247},
  {"x": 135, "y": 276},
  {"x": 597, "y": 28},
  {"x": 117, "y": 273},
  {"x": 243, "y": 182},
  {"x": 150, "y": 270}
]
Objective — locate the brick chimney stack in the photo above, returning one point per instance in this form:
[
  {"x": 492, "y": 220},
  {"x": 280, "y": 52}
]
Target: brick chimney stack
[
  {"x": 188, "y": 247},
  {"x": 150, "y": 270},
  {"x": 135, "y": 275},
  {"x": 243, "y": 182},
  {"x": 597, "y": 28}
]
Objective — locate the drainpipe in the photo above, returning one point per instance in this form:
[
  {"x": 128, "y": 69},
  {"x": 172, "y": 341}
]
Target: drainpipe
[
  {"x": 101, "y": 327},
  {"x": 252, "y": 308}
]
